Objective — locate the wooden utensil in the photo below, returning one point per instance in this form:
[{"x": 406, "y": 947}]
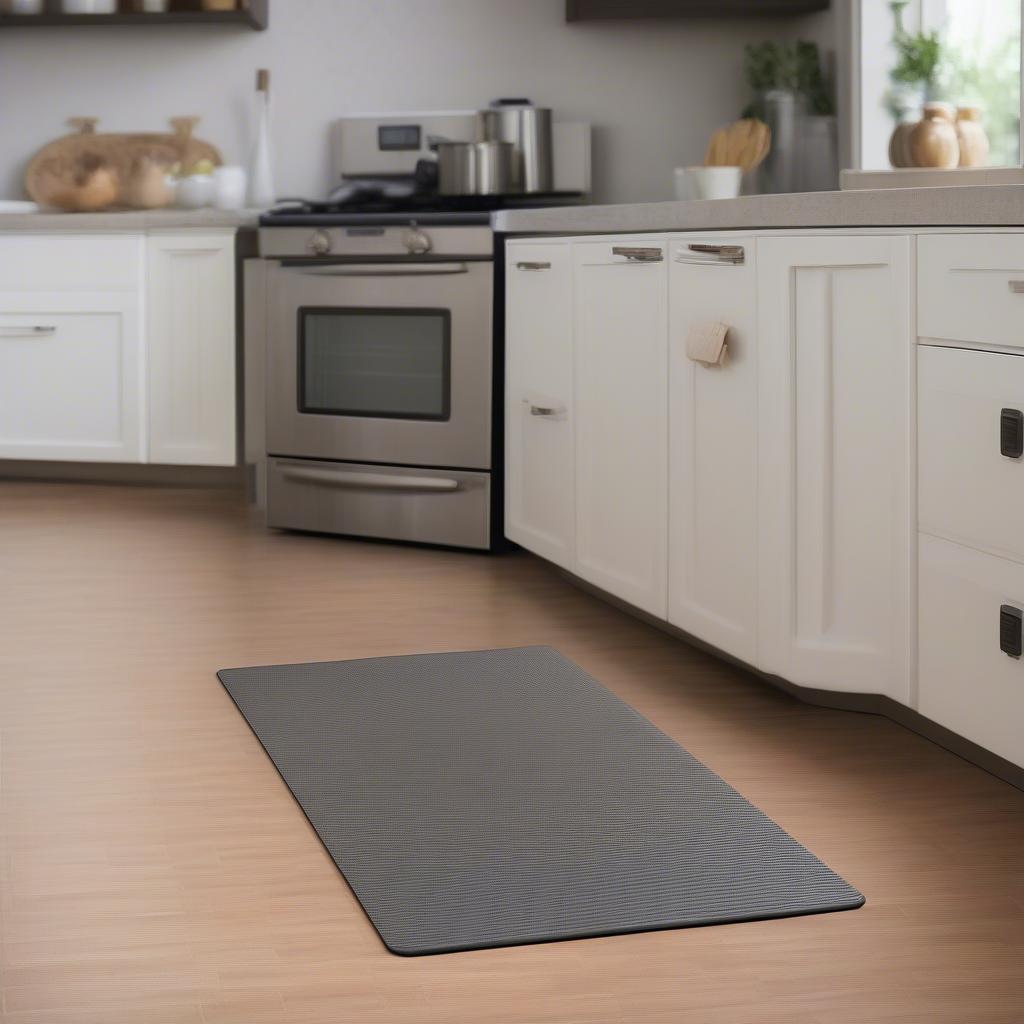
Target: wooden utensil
[{"x": 743, "y": 144}]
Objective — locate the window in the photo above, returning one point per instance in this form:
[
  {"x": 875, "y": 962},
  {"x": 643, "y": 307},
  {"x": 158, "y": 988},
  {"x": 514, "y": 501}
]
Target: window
[{"x": 963, "y": 52}]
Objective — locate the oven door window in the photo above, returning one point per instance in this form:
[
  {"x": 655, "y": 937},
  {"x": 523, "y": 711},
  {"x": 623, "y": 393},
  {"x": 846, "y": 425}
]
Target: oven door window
[{"x": 387, "y": 363}]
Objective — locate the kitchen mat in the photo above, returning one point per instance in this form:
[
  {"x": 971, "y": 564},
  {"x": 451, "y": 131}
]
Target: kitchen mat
[{"x": 490, "y": 798}]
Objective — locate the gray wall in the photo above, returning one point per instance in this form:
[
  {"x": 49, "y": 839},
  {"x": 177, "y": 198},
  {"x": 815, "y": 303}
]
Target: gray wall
[{"x": 653, "y": 90}]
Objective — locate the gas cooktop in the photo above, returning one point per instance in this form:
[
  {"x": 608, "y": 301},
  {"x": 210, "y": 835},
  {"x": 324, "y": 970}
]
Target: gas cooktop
[{"x": 420, "y": 208}]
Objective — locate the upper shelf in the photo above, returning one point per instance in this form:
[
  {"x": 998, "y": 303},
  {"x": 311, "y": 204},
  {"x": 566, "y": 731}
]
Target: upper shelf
[
  {"x": 254, "y": 15},
  {"x": 598, "y": 10}
]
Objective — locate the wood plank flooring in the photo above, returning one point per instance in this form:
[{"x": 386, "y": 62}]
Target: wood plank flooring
[{"x": 155, "y": 870}]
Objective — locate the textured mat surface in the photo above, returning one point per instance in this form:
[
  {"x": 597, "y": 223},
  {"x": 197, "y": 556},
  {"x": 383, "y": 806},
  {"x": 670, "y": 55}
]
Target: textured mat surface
[{"x": 489, "y": 798}]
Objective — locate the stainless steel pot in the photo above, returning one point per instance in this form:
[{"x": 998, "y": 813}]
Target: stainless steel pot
[
  {"x": 474, "y": 168},
  {"x": 528, "y": 129}
]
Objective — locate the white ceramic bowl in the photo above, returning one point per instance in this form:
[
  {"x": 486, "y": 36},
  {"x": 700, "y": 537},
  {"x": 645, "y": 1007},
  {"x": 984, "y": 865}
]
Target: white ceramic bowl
[
  {"x": 195, "y": 191},
  {"x": 708, "y": 182}
]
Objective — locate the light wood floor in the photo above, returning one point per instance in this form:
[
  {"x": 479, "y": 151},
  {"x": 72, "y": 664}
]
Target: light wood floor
[{"x": 155, "y": 869}]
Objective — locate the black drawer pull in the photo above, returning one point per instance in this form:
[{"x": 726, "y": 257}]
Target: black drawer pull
[
  {"x": 1011, "y": 641},
  {"x": 1011, "y": 433}
]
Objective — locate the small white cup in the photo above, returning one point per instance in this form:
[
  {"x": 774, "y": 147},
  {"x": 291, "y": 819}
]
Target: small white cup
[
  {"x": 708, "y": 182},
  {"x": 229, "y": 187}
]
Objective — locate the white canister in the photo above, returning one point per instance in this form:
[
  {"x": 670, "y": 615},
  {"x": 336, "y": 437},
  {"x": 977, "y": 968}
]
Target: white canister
[
  {"x": 229, "y": 184},
  {"x": 708, "y": 182},
  {"x": 90, "y": 6},
  {"x": 22, "y": 7},
  {"x": 195, "y": 191}
]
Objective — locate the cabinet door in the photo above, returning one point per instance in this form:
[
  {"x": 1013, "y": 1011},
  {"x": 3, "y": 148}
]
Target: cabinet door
[
  {"x": 539, "y": 475},
  {"x": 191, "y": 329},
  {"x": 712, "y": 583},
  {"x": 621, "y": 362},
  {"x": 835, "y": 353},
  {"x": 70, "y": 384}
]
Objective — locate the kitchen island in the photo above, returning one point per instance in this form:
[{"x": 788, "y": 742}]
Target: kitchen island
[
  {"x": 959, "y": 206},
  {"x": 836, "y": 505}
]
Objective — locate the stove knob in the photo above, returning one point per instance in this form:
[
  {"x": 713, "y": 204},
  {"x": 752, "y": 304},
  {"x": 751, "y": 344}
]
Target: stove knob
[
  {"x": 417, "y": 242},
  {"x": 320, "y": 243}
]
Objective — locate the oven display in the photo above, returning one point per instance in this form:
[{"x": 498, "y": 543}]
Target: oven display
[
  {"x": 398, "y": 136},
  {"x": 385, "y": 363}
]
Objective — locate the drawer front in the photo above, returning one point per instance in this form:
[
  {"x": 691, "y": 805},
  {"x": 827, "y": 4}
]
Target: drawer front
[
  {"x": 69, "y": 379},
  {"x": 424, "y": 505},
  {"x": 51, "y": 262},
  {"x": 971, "y": 288},
  {"x": 968, "y": 490},
  {"x": 967, "y": 683}
]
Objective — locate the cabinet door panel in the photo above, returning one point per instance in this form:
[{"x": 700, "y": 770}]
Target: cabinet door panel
[
  {"x": 836, "y": 462},
  {"x": 621, "y": 422},
  {"x": 712, "y": 585},
  {"x": 69, "y": 377},
  {"x": 540, "y": 478},
  {"x": 191, "y": 320}
]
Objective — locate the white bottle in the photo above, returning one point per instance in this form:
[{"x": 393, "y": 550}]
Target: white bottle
[{"x": 261, "y": 177}]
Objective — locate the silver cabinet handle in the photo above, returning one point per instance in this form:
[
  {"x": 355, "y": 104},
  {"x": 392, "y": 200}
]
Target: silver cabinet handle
[
  {"x": 368, "y": 481},
  {"x": 28, "y": 331},
  {"x": 703, "y": 253},
  {"x": 533, "y": 265},
  {"x": 639, "y": 253},
  {"x": 544, "y": 410},
  {"x": 378, "y": 269},
  {"x": 1017, "y": 287}
]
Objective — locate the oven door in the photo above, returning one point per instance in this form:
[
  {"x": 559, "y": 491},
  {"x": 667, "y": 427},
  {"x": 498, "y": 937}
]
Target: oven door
[{"x": 381, "y": 362}]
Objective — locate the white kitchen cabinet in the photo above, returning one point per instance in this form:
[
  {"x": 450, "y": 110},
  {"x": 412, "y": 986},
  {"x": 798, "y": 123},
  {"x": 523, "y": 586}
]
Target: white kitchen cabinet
[
  {"x": 191, "y": 344},
  {"x": 712, "y": 444},
  {"x": 621, "y": 394},
  {"x": 968, "y": 682},
  {"x": 540, "y": 505},
  {"x": 836, "y": 465},
  {"x": 71, "y": 376},
  {"x": 118, "y": 347},
  {"x": 971, "y": 477}
]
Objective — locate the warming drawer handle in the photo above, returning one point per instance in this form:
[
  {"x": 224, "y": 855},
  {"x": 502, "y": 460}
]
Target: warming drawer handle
[
  {"x": 368, "y": 481},
  {"x": 706, "y": 253},
  {"x": 639, "y": 253},
  {"x": 533, "y": 265},
  {"x": 377, "y": 269}
]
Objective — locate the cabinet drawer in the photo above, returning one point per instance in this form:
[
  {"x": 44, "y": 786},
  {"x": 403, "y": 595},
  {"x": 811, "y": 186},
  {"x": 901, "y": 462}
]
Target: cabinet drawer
[
  {"x": 968, "y": 490},
  {"x": 69, "y": 378},
  {"x": 968, "y": 288},
  {"x": 51, "y": 262},
  {"x": 967, "y": 683}
]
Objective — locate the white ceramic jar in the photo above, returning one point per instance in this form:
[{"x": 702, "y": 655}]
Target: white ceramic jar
[
  {"x": 195, "y": 191},
  {"x": 229, "y": 184}
]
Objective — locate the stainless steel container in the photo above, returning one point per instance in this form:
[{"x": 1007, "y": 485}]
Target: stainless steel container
[
  {"x": 456, "y": 168},
  {"x": 494, "y": 164},
  {"x": 474, "y": 168},
  {"x": 528, "y": 129}
]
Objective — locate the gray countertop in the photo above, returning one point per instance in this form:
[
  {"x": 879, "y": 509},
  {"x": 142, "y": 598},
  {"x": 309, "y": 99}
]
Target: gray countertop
[
  {"x": 127, "y": 220},
  {"x": 958, "y": 206}
]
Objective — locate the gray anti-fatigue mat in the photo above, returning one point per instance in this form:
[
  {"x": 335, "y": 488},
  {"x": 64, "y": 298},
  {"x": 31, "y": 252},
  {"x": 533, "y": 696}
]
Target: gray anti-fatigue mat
[{"x": 489, "y": 798}]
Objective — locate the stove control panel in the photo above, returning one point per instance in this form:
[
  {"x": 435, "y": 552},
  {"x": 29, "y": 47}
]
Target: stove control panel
[{"x": 368, "y": 241}]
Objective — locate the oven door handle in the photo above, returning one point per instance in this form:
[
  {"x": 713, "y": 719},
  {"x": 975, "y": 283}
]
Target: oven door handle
[
  {"x": 368, "y": 481},
  {"x": 376, "y": 269}
]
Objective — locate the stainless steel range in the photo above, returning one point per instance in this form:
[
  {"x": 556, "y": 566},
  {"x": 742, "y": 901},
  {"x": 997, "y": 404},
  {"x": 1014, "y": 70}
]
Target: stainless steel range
[{"x": 372, "y": 383}]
